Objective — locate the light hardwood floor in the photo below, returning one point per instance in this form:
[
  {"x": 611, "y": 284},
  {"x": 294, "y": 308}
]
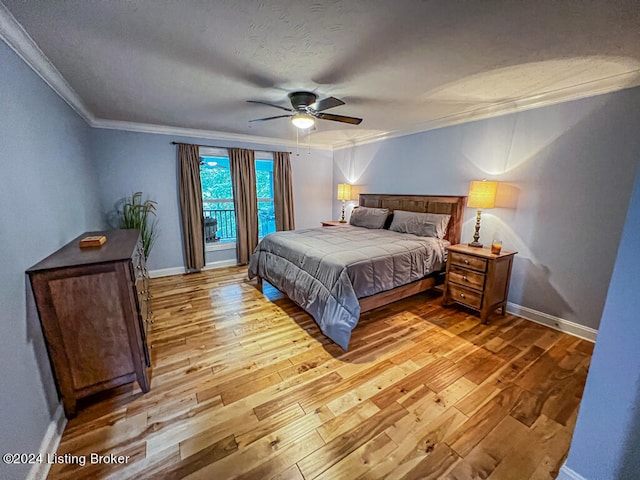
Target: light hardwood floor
[{"x": 245, "y": 386}]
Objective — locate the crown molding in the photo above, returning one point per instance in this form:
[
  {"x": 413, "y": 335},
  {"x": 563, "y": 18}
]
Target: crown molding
[
  {"x": 593, "y": 88},
  {"x": 20, "y": 42},
  {"x": 208, "y": 134}
]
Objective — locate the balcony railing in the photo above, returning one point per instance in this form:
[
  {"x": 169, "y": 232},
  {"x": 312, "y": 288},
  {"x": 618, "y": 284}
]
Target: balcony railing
[{"x": 220, "y": 223}]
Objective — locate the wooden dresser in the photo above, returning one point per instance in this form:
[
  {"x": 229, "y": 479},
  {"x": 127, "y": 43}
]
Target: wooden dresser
[
  {"x": 93, "y": 305},
  {"x": 478, "y": 279}
]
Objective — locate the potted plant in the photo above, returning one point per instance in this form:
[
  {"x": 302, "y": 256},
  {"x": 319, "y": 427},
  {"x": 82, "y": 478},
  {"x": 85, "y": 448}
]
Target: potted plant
[{"x": 137, "y": 214}]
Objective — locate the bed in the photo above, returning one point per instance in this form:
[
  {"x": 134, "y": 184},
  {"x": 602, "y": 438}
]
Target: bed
[{"x": 337, "y": 273}]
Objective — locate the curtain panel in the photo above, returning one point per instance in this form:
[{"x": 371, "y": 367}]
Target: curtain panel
[
  {"x": 283, "y": 191},
  {"x": 245, "y": 199},
  {"x": 190, "y": 191}
]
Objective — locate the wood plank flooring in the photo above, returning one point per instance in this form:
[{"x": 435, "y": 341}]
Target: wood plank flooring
[{"x": 245, "y": 386}]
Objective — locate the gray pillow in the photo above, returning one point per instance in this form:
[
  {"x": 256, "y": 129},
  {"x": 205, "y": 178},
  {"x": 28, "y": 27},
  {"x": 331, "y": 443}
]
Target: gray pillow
[
  {"x": 368, "y": 217},
  {"x": 421, "y": 224}
]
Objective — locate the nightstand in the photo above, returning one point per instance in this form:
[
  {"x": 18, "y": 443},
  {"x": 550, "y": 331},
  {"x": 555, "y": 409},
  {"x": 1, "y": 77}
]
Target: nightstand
[
  {"x": 478, "y": 279},
  {"x": 333, "y": 223}
]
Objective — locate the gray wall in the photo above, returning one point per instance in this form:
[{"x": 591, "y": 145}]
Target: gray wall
[
  {"x": 47, "y": 186},
  {"x": 606, "y": 440},
  {"x": 128, "y": 162},
  {"x": 566, "y": 174}
]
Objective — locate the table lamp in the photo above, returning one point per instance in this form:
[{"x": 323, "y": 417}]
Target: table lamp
[
  {"x": 482, "y": 194},
  {"x": 344, "y": 193}
]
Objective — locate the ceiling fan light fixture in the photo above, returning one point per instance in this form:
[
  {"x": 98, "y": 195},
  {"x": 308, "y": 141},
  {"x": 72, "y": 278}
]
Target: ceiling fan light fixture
[{"x": 302, "y": 120}]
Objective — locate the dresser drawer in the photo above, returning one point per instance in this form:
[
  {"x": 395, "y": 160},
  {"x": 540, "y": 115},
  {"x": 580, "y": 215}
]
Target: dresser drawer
[
  {"x": 467, "y": 278},
  {"x": 465, "y": 296},
  {"x": 142, "y": 299},
  {"x": 138, "y": 263},
  {"x": 468, "y": 261}
]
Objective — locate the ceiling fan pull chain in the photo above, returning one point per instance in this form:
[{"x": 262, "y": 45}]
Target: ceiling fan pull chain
[{"x": 297, "y": 143}]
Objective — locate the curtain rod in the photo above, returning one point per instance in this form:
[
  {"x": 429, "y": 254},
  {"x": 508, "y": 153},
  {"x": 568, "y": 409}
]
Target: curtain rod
[{"x": 214, "y": 146}]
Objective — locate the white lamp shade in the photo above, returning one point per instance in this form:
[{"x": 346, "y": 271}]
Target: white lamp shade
[
  {"x": 344, "y": 191},
  {"x": 482, "y": 194},
  {"x": 302, "y": 120}
]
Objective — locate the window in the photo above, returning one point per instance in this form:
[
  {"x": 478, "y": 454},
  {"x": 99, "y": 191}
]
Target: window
[
  {"x": 217, "y": 199},
  {"x": 264, "y": 189},
  {"x": 217, "y": 195}
]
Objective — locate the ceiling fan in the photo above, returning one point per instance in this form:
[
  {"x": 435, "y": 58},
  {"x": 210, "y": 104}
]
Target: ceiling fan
[{"x": 305, "y": 107}]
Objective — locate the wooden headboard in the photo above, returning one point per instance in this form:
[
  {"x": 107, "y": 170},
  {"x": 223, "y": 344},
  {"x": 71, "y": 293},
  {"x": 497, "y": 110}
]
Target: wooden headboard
[{"x": 448, "y": 204}]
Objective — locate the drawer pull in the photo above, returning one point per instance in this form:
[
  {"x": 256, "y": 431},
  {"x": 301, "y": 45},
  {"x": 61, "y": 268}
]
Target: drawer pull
[
  {"x": 462, "y": 295},
  {"x": 466, "y": 262},
  {"x": 464, "y": 277}
]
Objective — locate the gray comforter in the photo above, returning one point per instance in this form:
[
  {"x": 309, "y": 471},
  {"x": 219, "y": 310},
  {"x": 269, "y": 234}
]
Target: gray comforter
[{"x": 326, "y": 270}]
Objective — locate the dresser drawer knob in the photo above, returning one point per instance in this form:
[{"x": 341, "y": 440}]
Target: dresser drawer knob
[
  {"x": 466, "y": 262},
  {"x": 462, "y": 295},
  {"x": 464, "y": 277}
]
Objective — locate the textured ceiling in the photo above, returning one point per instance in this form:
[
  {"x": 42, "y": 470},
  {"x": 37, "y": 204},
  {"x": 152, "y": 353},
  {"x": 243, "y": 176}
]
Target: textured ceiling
[{"x": 402, "y": 65}]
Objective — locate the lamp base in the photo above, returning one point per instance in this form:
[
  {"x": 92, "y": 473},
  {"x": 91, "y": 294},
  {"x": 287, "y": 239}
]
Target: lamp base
[
  {"x": 342, "y": 219},
  {"x": 476, "y": 235}
]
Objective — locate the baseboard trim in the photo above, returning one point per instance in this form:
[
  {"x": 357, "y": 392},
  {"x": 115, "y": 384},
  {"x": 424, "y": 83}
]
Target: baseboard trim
[
  {"x": 166, "y": 272},
  {"x": 50, "y": 442},
  {"x": 221, "y": 264},
  {"x": 566, "y": 326},
  {"x": 568, "y": 474}
]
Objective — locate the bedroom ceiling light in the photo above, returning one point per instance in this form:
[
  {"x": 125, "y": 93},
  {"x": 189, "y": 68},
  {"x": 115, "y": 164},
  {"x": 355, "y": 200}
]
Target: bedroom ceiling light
[
  {"x": 482, "y": 194},
  {"x": 344, "y": 193},
  {"x": 302, "y": 120}
]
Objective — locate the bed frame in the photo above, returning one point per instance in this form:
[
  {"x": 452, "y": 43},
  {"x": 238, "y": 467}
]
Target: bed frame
[{"x": 447, "y": 204}]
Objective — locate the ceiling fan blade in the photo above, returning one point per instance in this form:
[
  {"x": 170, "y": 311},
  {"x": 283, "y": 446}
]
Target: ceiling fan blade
[
  {"x": 269, "y": 118},
  {"x": 326, "y": 103},
  {"x": 339, "y": 118},
  {"x": 271, "y": 105}
]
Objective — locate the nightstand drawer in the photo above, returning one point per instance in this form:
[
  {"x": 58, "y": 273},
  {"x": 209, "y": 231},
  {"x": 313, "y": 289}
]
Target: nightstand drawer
[
  {"x": 467, "y": 278},
  {"x": 465, "y": 296},
  {"x": 468, "y": 261}
]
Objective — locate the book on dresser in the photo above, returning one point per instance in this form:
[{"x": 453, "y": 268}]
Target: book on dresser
[
  {"x": 93, "y": 305},
  {"x": 93, "y": 241}
]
